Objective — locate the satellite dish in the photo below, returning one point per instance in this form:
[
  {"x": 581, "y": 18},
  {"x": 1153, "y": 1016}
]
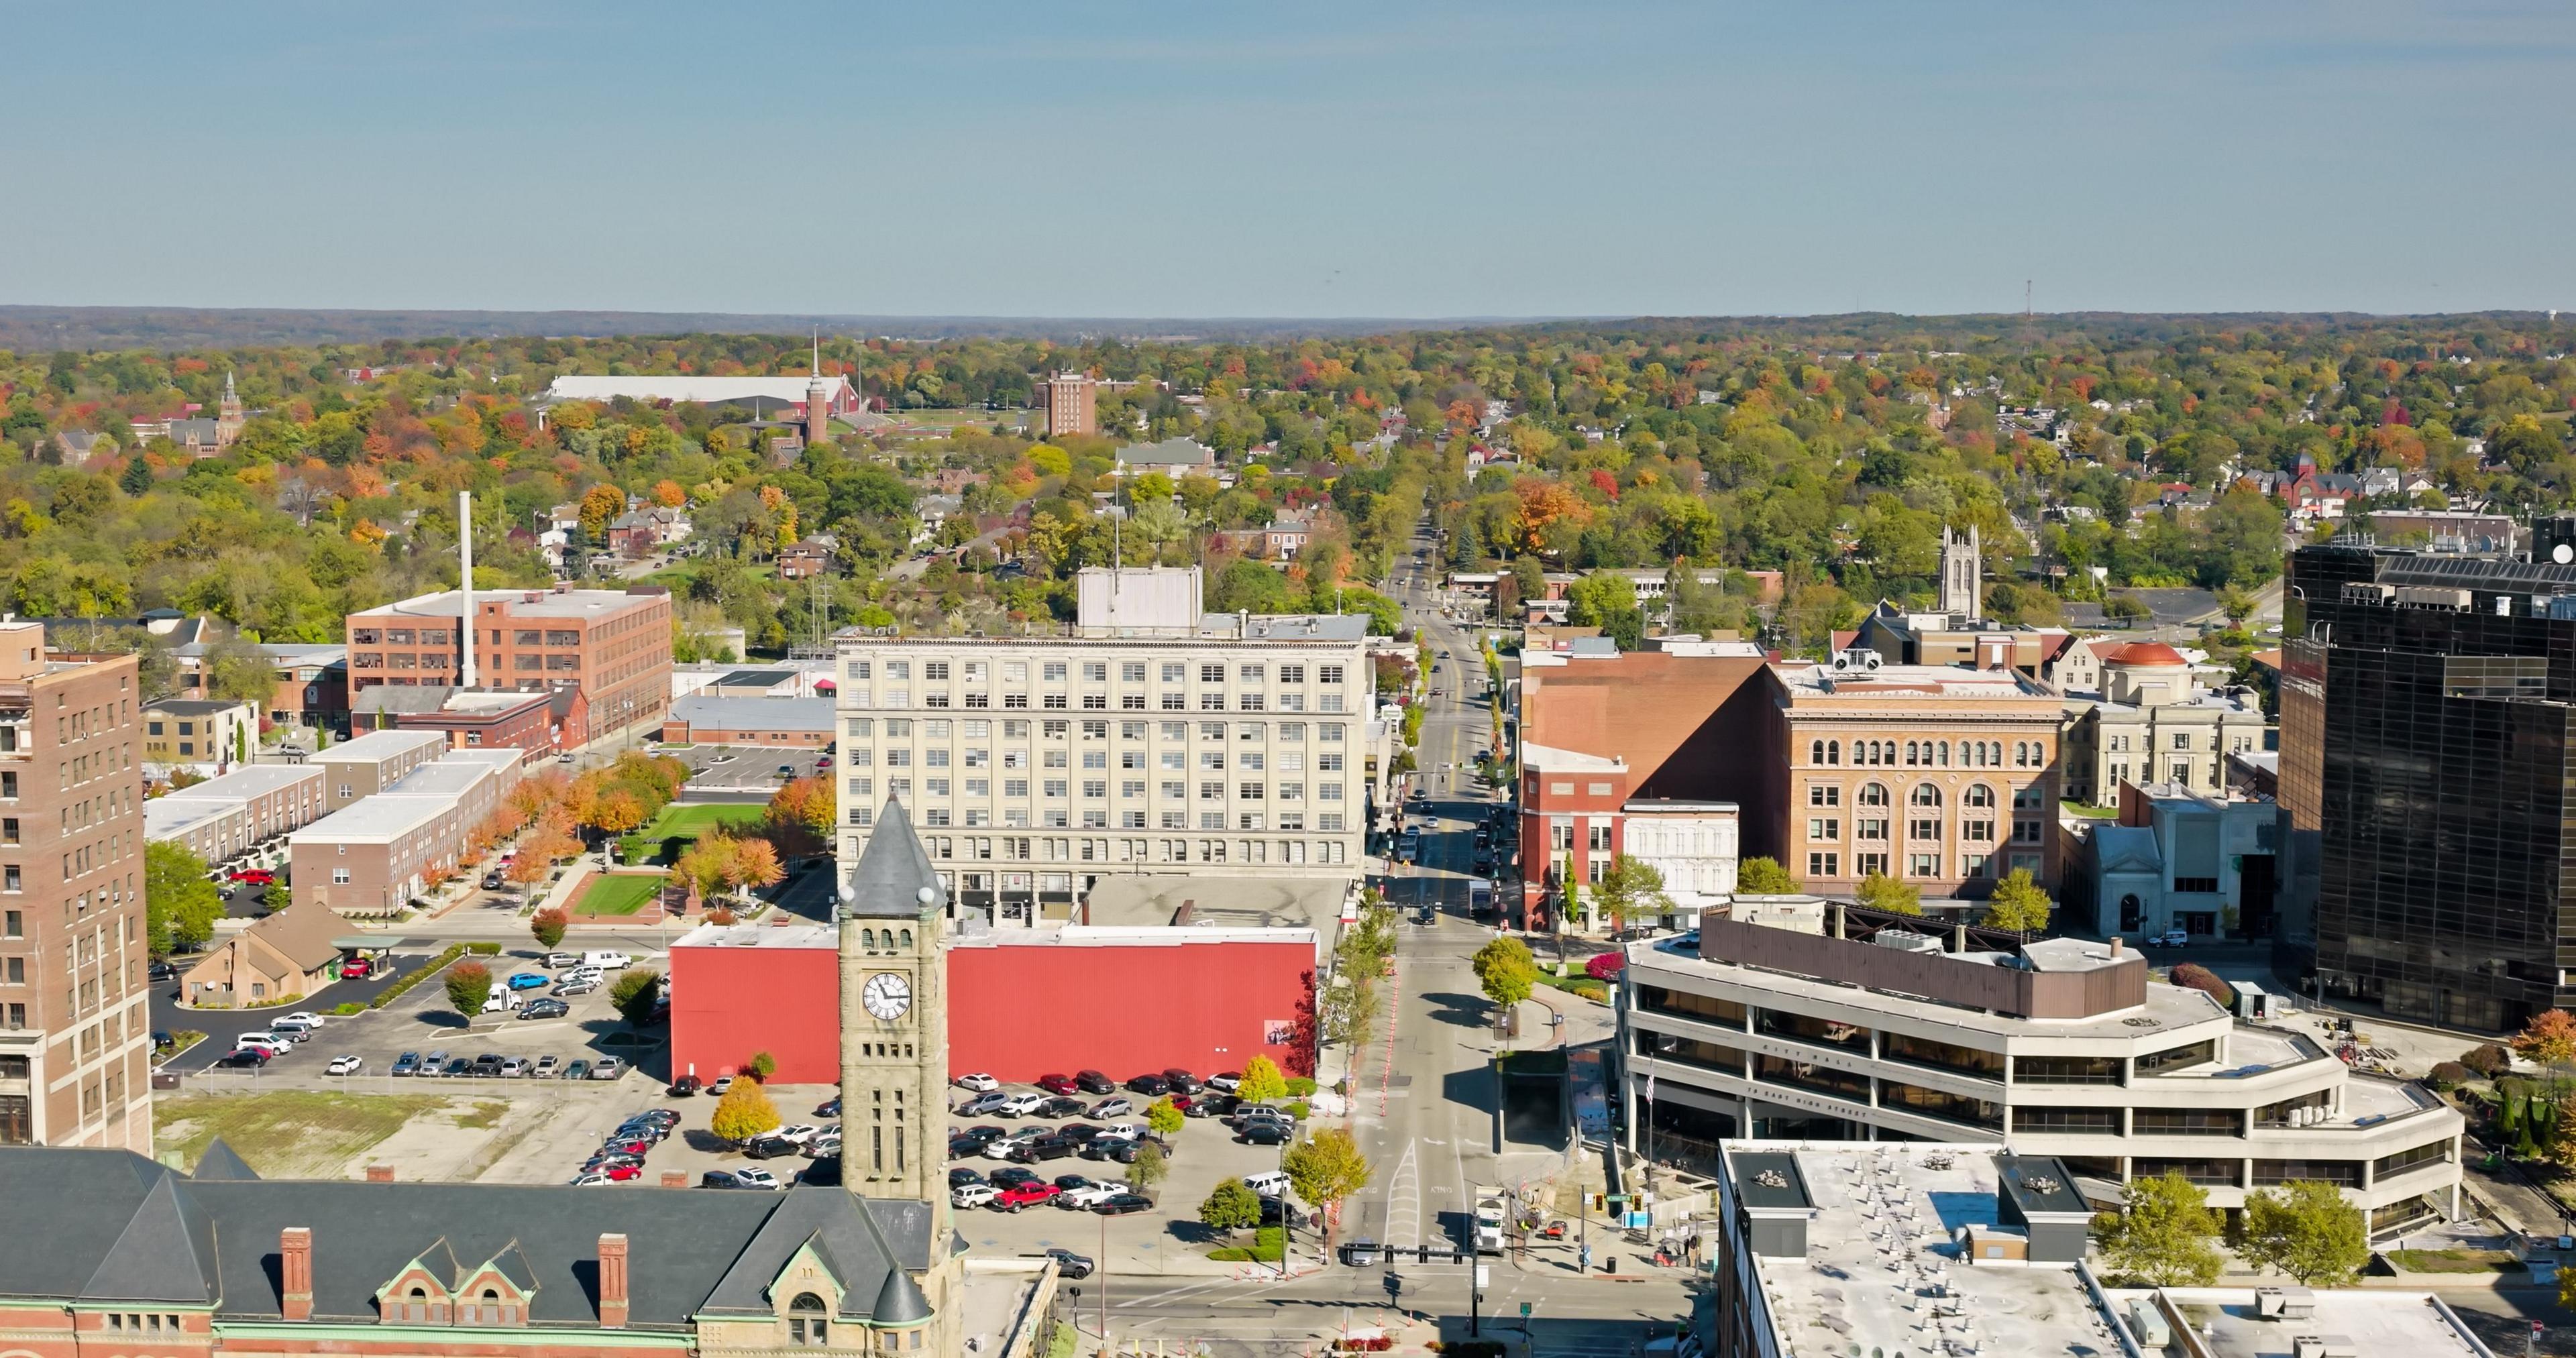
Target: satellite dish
[{"x": 2562, "y": 554}]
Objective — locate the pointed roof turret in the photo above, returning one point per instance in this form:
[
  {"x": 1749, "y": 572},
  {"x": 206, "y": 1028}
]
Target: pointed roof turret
[
  {"x": 221, "y": 1163},
  {"x": 894, "y": 878},
  {"x": 900, "y": 1302}
]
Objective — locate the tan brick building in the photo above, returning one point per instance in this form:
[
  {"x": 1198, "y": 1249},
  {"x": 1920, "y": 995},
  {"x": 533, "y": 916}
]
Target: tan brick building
[
  {"x": 615, "y": 646},
  {"x": 1941, "y": 776},
  {"x": 75, "y": 1029},
  {"x": 224, "y": 818},
  {"x": 373, "y": 857},
  {"x": 1068, "y": 403},
  {"x": 361, "y": 768}
]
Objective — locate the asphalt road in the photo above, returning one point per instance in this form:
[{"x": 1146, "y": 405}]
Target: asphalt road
[{"x": 220, "y": 1025}]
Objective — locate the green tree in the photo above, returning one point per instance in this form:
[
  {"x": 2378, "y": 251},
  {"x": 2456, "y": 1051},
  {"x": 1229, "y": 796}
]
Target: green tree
[
  {"x": 469, "y": 986},
  {"x": 277, "y": 897},
  {"x": 137, "y": 477},
  {"x": 1607, "y": 600},
  {"x": 239, "y": 671},
  {"x": 2164, "y": 1235},
  {"x": 1325, "y": 1167},
  {"x": 1764, "y": 877},
  {"x": 1262, "y": 1081},
  {"x": 1229, "y": 1207},
  {"x": 1628, "y": 888},
  {"x": 633, "y": 994},
  {"x": 1506, "y": 970},
  {"x": 180, "y": 906},
  {"x": 1164, "y": 1116},
  {"x": 744, "y": 1112},
  {"x": 763, "y": 1065},
  {"x": 1466, "y": 546},
  {"x": 1149, "y": 1167},
  {"x": 2307, "y": 1230},
  {"x": 1882, "y": 892},
  {"x": 2018, "y": 903},
  {"x": 548, "y": 927}
]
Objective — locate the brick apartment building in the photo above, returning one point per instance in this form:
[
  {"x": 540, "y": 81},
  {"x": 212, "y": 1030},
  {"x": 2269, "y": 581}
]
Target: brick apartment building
[
  {"x": 75, "y": 1029},
  {"x": 224, "y": 818},
  {"x": 373, "y": 857},
  {"x": 312, "y": 681},
  {"x": 1068, "y": 403},
  {"x": 614, "y": 646},
  {"x": 471, "y": 718},
  {"x": 371, "y": 763}
]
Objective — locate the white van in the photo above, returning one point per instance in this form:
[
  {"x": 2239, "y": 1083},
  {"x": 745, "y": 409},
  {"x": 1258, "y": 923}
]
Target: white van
[
  {"x": 1269, "y": 1183},
  {"x": 607, "y": 961}
]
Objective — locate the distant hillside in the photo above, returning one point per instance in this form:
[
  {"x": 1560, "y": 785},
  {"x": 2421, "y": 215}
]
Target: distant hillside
[{"x": 28, "y": 329}]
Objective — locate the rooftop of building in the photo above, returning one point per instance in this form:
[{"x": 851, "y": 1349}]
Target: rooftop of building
[
  {"x": 1807, "y": 681},
  {"x": 193, "y": 707},
  {"x": 742, "y": 712},
  {"x": 1548, "y": 758},
  {"x": 170, "y": 817},
  {"x": 2349, "y": 1323},
  {"x": 414, "y": 800},
  {"x": 378, "y": 745},
  {"x": 250, "y": 780},
  {"x": 1147, "y": 900},
  {"x": 557, "y": 603},
  {"x": 1885, "y": 1269}
]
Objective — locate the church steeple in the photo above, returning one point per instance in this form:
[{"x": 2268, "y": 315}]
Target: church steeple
[
  {"x": 818, "y": 399},
  {"x": 1962, "y": 569},
  {"x": 228, "y": 414}
]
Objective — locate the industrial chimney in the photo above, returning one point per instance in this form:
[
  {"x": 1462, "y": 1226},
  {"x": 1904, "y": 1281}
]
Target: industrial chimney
[{"x": 465, "y": 581}]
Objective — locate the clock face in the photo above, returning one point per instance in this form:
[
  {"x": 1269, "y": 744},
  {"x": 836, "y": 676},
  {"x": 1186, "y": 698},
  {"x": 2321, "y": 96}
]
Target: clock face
[{"x": 887, "y": 995}]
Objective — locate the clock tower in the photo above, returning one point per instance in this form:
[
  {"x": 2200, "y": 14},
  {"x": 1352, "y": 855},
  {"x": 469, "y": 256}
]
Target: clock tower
[{"x": 894, "y": 1024}]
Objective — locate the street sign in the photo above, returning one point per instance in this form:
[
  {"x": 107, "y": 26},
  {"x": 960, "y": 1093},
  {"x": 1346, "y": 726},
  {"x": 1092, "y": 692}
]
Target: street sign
[
  {"x": 1525, "y": 1310},
  {"x": 1615, "y": 1199},
  {"x": 1484, "y": 1275}
]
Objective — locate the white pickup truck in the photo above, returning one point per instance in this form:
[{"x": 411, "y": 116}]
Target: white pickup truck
[{"x": 1489, "y": 1219}]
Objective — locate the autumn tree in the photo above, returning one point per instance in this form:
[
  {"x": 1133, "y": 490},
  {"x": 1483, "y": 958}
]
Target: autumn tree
[
  {"x": 469, "y": 986},
  {"x": 756, "y": 865},
  {"x": 615, "y": 812},
  {"x": 1261, "y": 1081},
  {"x": 600, "y": 507},
  {"x": 801, "y": 817},
  {"x": 2549, "y": 1039},
  {"x": 744, "y": 1112},
  {"x": 1506, "y": 971},
  {"x": 547, "y": 926},
  {"x": 667, "y": 494}
]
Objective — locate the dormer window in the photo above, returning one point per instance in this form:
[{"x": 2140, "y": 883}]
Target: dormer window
[{"x": 808, "y": 1322}]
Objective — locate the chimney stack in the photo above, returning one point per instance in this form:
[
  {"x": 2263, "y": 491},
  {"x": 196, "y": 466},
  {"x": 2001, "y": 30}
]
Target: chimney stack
[
  {"x": 465, "y": 581},
  {"x": 295, "y": 1272},
  {"x": 612, "y": 1281},
  {"x": 2115, "y": 947}
]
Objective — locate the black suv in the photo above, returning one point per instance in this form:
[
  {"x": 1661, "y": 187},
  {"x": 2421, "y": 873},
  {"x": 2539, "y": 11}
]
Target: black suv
[
  {"x": 768, "y": 1147},
  {"x": 1044, "y": 1148},
  {"x": 1151, "y": 1086},
  {"x": 1093, "y": 1082}
]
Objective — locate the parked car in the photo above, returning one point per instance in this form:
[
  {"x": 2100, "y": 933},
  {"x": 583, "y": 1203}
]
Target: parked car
[
  {"x": 1179, "y": 1081},
  {"x": 798, "y": 1132},
  {"x": 488, "y": 1063},
  {"x": 1093, "y": 1082},
  {"x": 345, "y": 1065},
  {"x": 455, "y": 1067},
  {"x": 828, "y": 1108},
  {"x": 578, "y": 1070},
  {"x": 516, "y": 1067},
  {"x": 1226, "y": 1081},
  {"x": 568, "y": 989},
  {"x": 1057, "y": 1084},
  {"x": 1004, "y": 1178},
  {"x": 978, "y": 1081},
  {"x": 1151, "y": 1086},
  {"x": 545, "y": 1009},
  {"x": 686, "y": 1086},
  {"x": 545, "y": 1068},
  {"x": 434, "y": 1063},
  {"x": 719, "y": 1178},
  {"x": 972, "y": 1195},
  {"x": 1212, "y": 1106},
  {"x": 757, "y": 1178},
  {"x": 355, "y": 969},
  {"x": 966, "y": 1147},
  {"x": 768, "y": 1147},
  {"x": 245, "y": 1057},
  {"x": 1044, "y": 1148},
  {"x": 2170, "y": 938},
  {"x": 1112, "y": 1108},
  {"x": 1017, "y": 1196},
  {"x": 982, "y": 1104},
  {"x": 961, "y": 1175},
  {"x": 1002, "y": 1149},
  {"x": 1069, "y": 1264},
  {"x": 1120, "y": 1204},
  {"x": 530, "y": 980},
  {"x": 407, "y": 1064},
  {"x": 723, "y": 1083},
  {"x": 1063, "y": 1106},
  {"x": 1266, "y": 1133},
  {"x": 252, "y": 876},
  {"x": 607, "y": 1068},
  {"x": 590, "y": 1179},
  {"x": 557, "y": 961},
  {"x": 493, "y": 881},
  {"x": 1083, "y": 1196}
]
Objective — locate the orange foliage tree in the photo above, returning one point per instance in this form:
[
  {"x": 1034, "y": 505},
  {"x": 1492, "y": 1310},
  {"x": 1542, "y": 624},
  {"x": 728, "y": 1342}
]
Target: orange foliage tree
[{"x": 801, "y": 816}]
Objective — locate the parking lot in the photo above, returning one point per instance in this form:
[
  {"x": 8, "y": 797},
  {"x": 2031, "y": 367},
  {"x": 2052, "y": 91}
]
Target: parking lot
[
  {"x": 422, "y": 1022},
  {"x": 742, "y": 770}
]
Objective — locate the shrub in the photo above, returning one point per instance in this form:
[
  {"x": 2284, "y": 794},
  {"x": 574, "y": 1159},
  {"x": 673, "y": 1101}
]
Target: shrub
[
  {"x": 2450, "y": 1075},
  {"x": 1301, "y": 1086},
  {"x": 2194, "y": 976},
  {"x": 763, "y": 1065},
  {"x": 2490, "y": 1060},
  {"x": 1298, "y": 1110},
  {"x": 548, "y": 927}
]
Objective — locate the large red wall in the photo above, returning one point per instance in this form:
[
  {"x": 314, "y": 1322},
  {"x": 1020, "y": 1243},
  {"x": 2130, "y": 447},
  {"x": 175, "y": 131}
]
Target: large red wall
[{"x": 1017, "y": 1011}]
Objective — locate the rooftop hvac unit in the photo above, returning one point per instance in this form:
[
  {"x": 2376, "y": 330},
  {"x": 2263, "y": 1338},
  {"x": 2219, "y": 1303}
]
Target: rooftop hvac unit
[
  {"x": 1859, "y": 659},
  {"x": 2323, "y": 1346},
  {"x": 2364, "y": 592},
  {"x": 1904, "y": 940},
  {"x": 2284, "y": 1303},
  {"x": 2147, "y": 1322},
  {"x": 2429, "y": 596}
]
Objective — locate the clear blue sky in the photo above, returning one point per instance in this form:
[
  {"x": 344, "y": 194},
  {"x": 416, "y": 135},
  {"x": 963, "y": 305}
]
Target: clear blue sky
[{"x": 1317, "y": 159}]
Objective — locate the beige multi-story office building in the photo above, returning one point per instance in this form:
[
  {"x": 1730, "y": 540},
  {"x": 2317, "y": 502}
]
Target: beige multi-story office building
[
  {"x": 1147, "y": 738},
  {"x": 1937, "y": 775},
  {"x": 1068, "y": 403},
  {"x": 75, "y": 1026},
  {"x": 2152, "y": 724}
]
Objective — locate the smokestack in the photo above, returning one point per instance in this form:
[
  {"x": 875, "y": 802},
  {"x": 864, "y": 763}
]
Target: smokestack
[
  {"x": 465, "y": 580},
  {"x": 612, "y": 1281},
  {"x": 295, "y": 1273}
]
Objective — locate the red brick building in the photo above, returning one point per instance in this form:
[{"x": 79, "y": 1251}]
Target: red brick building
[
  {"x": 1023, "y": 1003},
  {"x": 614, "y": 646}
]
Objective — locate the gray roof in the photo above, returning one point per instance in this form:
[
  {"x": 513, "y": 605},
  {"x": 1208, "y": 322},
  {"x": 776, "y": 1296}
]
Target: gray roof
[
  {"x": 750, "y": 712},
  {"x": 221, "y": 1162},
  {"x": 402, "y": 699},
  {"x": 892, "y": 873},
  {"x": 121, "y": 1228},
  {"x": 1180, "y": 450},
  {"x": 189, "y": 707}
]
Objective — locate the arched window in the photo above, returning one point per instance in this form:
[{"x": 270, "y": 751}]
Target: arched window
[
  {"x": 417, "y": 1306},
  {"x": 807, "y": 1322},
  {"x": 1815, "y": 752},
  {"x": 907, "y": 938},
  {"x": 1945, "y": 754},
  {"x": 1925, "y": 795},
  {"x": 489, "y": 1312},
  {"x": 1833, "y": 752},
  {"x": 1980, "y": 797},
  {"x": 1873, "y": 794}
]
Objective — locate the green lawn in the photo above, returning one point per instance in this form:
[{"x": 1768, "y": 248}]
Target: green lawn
[
  {"x": 290, "y": 1132},
  {"x": 619, "y": 893},
  {"x": 689, "y": 822}
]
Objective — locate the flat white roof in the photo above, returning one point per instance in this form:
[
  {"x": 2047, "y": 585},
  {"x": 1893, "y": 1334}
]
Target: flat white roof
[
  {"x": 571, "y": 603},
  {"x": 250, "y": 780},
  {"x": 423, "y": 795},
  {"x": 171, "y": 817},
  {"x": 378, "y": 745},
  {"x": 2377, "y": 1324}
]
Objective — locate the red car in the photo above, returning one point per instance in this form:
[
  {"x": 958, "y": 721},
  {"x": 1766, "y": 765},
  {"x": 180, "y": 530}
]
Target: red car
[
  {"x": 1018, "y": 1196},
  {"x": 621, "y": 1173},
  {"x": 356, "y": 969},
  {"x": 253, "y": 876},
  {"x": 1056, "y": 1084},
  {"x": 635, "y": 1148}
]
